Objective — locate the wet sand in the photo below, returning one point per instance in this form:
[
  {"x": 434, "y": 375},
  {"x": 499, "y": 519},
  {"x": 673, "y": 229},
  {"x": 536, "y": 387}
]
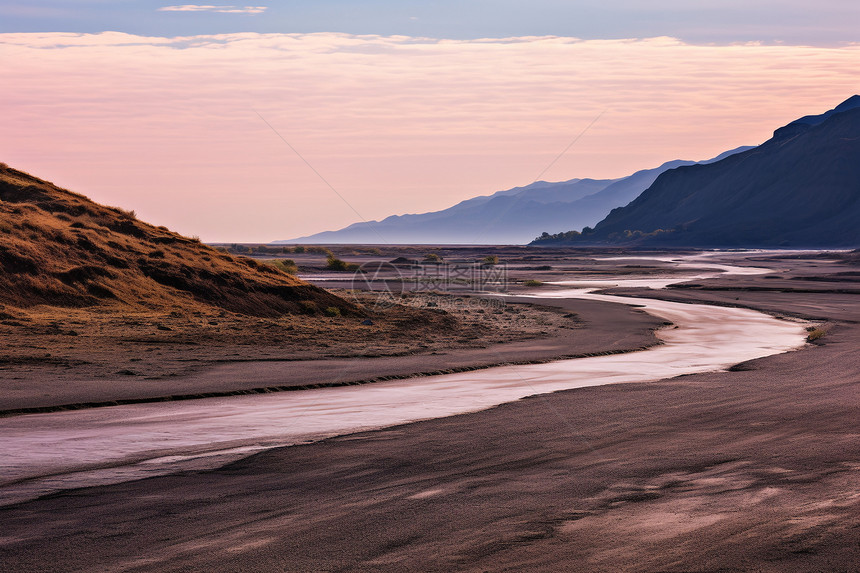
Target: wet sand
[{"x": 756, "y": 469}]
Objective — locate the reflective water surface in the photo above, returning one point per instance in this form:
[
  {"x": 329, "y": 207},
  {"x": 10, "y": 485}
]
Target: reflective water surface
[{"x": 42, "y": 453}]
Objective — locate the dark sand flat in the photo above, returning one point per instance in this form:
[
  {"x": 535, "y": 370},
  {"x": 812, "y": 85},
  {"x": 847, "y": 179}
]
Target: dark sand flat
[{"x": 756, "y": 469}]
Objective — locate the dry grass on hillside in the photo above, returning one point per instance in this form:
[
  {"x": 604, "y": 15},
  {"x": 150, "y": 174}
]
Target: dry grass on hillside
[{"x": 61, "y": 249}]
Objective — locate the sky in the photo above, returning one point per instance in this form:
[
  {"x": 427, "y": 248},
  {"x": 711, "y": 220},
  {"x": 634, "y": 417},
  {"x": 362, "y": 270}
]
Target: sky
[{"x": 262, "y": 122}]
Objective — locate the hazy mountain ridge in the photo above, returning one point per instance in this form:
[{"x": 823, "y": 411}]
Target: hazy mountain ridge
[
  {"x": 512, "y": 216},
  {"x": 801, "y": 189}
]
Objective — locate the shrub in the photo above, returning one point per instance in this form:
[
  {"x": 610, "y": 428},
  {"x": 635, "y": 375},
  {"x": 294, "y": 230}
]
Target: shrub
[
  {"x": 532, "y": 283},
  {"x": 285, "y": 265},
  {"x": 335, "y": 264},
  {"x": 815, "y": 334},
  {"x": 432, "y": 258},
  {"x": 332, "y": 311},
  {"x": 289, "y": 266},
  {"x": 490, "y": 260},
  {"x": 308, "y": 306}
]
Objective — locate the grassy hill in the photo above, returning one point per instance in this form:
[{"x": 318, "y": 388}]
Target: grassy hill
[{"x": 60, "y": 248}]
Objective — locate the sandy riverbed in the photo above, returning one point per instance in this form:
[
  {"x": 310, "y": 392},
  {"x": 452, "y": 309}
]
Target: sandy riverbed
[{"x": 755, "y": 469}]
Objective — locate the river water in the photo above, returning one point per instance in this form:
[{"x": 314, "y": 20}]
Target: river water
[{"x": 43, "y": 453}]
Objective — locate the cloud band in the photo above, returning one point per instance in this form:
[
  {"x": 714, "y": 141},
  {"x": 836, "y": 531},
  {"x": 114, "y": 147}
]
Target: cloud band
[{"x": 218, "y": 9}]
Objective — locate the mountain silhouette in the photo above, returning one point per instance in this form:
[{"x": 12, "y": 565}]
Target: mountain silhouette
[
  {"x": 800, "y": 188},
  {"x": 513, "y": 216}
]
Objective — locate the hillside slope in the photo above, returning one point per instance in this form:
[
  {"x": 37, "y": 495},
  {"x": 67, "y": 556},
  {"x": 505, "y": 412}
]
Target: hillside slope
[
  {"x": 60, "y": 248},
  {"x": 513, "y": 216},
  {"x": 800, "y": 189}
]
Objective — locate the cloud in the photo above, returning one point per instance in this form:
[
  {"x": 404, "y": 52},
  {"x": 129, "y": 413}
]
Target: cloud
[
  {"x": 219, "y": 9},
  {"x": 167, "y": 126}
]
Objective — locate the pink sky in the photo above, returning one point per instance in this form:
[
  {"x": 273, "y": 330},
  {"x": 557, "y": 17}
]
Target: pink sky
[{"x": 169, "y": 127}]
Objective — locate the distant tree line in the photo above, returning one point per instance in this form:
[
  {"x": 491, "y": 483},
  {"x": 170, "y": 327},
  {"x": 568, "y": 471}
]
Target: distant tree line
[
  {"x": 616, "y": 237},
  {"x": 563, "y": 237},
  {"x": 251, "y": 249}
]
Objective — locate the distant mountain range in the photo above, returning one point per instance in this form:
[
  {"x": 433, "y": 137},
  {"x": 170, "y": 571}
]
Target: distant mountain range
[
  {"x": 800, "y": 188},
  {"x": 514, "y": 216}
]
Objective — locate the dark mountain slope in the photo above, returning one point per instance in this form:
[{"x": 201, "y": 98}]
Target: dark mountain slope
[
  {"x": 623, "y": 191},
  {"x": 800, "y": 125},
  {"x": 800, "y": 190}
]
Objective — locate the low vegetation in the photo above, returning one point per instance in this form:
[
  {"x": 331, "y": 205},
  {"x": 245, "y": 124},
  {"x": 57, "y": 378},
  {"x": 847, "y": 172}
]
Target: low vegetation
[
  {"x": 286, "y": 265},
  {"x": 565, "y": 237},
  {"x": 335, "y": 264},
  {"x": 584, "y": 236},
  {"x": 244, "y": 249},
  {"x": 814, "y": 333}
]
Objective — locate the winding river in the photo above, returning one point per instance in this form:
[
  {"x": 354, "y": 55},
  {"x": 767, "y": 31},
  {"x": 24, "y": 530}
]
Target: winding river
[{"x": 43, "y": 453}]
